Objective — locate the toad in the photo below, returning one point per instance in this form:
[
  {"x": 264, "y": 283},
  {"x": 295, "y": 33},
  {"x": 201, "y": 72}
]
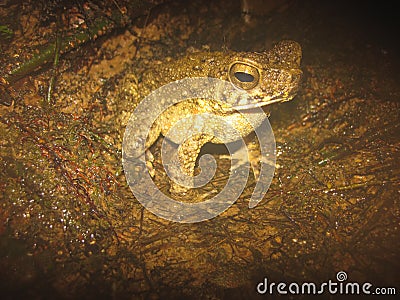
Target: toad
[{"x": 268, "y": 77}]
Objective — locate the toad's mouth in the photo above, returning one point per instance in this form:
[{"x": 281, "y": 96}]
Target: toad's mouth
[{"x": 262, "y": 102}]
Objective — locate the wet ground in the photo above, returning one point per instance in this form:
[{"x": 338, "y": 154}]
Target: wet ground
[{"x": 71, "y": 228}]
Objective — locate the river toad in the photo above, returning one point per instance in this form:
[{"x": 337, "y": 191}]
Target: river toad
[{"x": 269, "y": 77}]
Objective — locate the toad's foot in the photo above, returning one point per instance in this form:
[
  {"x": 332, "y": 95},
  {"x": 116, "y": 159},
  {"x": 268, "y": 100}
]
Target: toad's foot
[
  {"x": 149, "y": 163},
  {"x": 254, "y": 156}
]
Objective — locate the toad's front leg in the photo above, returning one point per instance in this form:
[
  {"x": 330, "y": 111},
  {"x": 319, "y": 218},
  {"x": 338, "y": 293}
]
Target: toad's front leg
[{"x": 188, "y": 152}]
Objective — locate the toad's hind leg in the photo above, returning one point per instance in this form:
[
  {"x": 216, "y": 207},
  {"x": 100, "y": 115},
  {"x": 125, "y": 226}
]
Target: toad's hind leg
[{"x": 188, "y": 152}]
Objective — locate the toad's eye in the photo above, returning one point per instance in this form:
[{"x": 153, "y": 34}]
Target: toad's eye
[{"x": 243, "y": 75}]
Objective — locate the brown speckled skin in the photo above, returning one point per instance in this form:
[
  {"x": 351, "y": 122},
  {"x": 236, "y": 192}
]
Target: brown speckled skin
[{"x": 276, "y": 75}]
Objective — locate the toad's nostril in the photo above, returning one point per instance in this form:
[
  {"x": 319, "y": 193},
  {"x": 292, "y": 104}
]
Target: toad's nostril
[{"x": 295, "y": 78}]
